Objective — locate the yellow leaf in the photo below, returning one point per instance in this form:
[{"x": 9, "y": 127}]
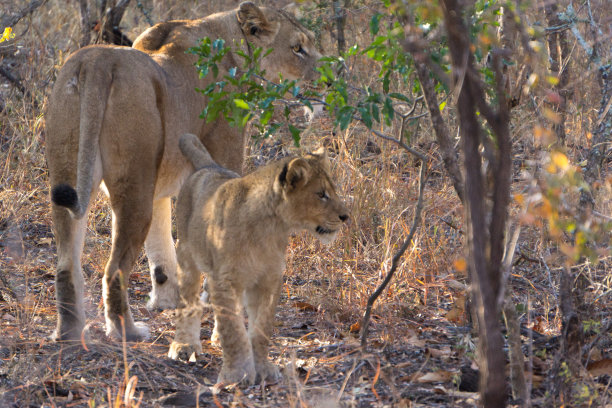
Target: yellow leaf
[
  {"x": 7, "y": 34},
  {"x": 551, "y": 115},
  {"x": 538, "y": 131},
  {"x": 533, "y": 80},
  {"x": 519, "y": 198},
  {"x": 484, "y": 39},
  {"x": 535, "y": 45},
  {"x": 560, "y": 160},
  {"x": 553, "y": 80},
  {"x": 460, "y": 265}
]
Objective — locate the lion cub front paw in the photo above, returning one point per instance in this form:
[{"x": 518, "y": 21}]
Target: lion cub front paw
[
  {"x": 239, "y": 373},
  {"x": 183, "y": 351}
]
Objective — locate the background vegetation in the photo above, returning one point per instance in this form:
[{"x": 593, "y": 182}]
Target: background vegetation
[{"x": 421, "y": 341}]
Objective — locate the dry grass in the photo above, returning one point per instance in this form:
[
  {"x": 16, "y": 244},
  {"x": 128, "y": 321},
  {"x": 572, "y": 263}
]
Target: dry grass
[{"x": 326, "y": 287}]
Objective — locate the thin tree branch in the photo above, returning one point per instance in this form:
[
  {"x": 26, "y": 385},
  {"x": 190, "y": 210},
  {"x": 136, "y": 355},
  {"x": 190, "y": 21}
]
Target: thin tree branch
[
  {"x": 441, "y": 131},
  {"x": 17, "y": 84},
  {"x": 396, "y": 258},
  {"x": 414, "y": 48},
  {"x": 10, "y": 20}
]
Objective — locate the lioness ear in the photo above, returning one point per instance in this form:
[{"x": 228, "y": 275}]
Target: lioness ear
[
  {"x": 293, "y": 9},
  {"x": 295, "y": 174},
  {"x": 252, "y": 20},
  {"x": 321, "y": 154}
]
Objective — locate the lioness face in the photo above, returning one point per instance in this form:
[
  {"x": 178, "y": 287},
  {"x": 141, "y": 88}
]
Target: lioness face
[
  {"x": 294, "y": 53},
  {"x": 310, "y": 199}
]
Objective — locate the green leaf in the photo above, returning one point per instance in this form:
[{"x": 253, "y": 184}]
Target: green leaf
[
  {"x": 388, "y": 111},
  {"x": 399, "y": 96},
  {"x": 386, "y": 82},
  {"x": 345, "y": 116},
  {"x": 366, "y": 116},
  {"x": 295, "y": 133},
  {"x": 374, "y": 23},
  {"x": 375, "y": 113},
  {"x": 241, "y": 104},
  {"x": 266, "y": 116}
]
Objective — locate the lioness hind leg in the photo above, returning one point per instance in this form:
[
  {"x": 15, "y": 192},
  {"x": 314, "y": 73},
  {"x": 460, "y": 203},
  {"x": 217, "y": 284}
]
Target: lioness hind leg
[
  {"x": 188, "y": 315},
  {"x": 159, "y": 246},
  {"x": 238, "y": 363},
  {"x": 130, "y": 226},
  {"x": 261, "y": 302},
  {"x": 69, "y": 235}
]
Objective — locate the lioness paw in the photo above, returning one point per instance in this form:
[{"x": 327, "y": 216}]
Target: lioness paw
[
  {"x": 183, "y": 351},
  {"x": 164, "y": 297},
  {"x": 137, "y": 332},
  {"x": 244, "y": 374},
  {"x": 268, "y": 372}
]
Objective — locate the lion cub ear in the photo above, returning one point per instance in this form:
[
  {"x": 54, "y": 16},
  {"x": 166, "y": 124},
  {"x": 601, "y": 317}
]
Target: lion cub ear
[
  {"x": 252, "y": 20},
  {"x": 295, "y": 174}
]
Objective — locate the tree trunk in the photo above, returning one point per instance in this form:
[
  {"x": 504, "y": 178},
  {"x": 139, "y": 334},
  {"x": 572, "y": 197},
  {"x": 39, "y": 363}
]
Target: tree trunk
[
  {"x": 85, "y": 23},
  {"x": 558, "y": 50},
  {"x": 105, "y": 24},
  {"x": 340, "y": 17},
  {"x": 485, "y": 241}
]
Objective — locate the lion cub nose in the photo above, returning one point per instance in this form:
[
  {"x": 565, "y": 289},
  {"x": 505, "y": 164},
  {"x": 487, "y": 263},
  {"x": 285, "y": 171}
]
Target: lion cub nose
[{"x": 344, "y": 217}]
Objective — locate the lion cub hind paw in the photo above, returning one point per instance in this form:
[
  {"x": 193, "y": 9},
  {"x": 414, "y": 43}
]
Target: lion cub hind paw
[{"x": 184, "y": 352}]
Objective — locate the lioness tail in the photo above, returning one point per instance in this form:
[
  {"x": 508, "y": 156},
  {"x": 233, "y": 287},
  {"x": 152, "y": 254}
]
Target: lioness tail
[
  {"x": 93, "y": 97},
  {"x": 194, "y": 150}
]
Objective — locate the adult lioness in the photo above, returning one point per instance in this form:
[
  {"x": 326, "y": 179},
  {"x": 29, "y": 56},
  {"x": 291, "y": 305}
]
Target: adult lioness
[
  {"x": 116, "y": 115},
  {"x": 235, "y": 230}
]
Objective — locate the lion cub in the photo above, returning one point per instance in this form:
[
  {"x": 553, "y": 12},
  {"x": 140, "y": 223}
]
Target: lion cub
[{"x": 235, "y": 230}]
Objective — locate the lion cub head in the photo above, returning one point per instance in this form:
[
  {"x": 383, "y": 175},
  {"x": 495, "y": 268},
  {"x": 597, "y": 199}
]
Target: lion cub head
[{"x": 309, "y": 200}]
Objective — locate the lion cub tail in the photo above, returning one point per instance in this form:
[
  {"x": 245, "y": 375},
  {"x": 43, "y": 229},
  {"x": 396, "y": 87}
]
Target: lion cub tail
[{"x": 194, "y": 150}]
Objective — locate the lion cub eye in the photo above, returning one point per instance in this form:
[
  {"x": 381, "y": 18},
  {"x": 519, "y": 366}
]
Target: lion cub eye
[{"x": 323, "y": 195}]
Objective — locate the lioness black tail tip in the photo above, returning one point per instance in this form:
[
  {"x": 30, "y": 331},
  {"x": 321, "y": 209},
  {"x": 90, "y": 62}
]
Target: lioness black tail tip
[{"x": 64, "y": 195}]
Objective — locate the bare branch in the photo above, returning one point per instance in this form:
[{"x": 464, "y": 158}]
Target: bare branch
[
  {"x": 10, "y": 20},
  {"x": 441, "y": 130},
  {"x": 16, "y": 82},
  {"x": 396, "y": 258}
]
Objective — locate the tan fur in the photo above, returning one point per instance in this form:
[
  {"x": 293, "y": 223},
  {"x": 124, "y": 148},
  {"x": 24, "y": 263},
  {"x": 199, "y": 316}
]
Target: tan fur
[
  {"x": 115, "y": 115},
  {"x": 235, "y": 230}
]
